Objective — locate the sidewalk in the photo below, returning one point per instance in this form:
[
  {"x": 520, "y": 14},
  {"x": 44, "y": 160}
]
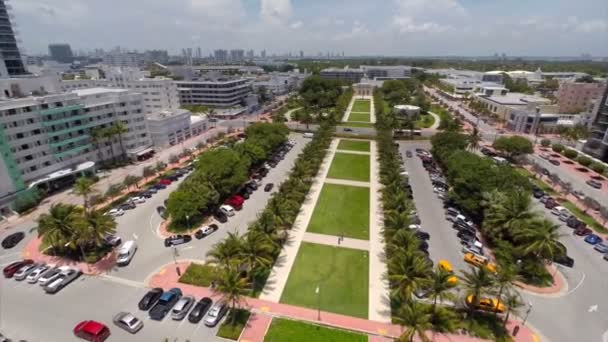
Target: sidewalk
[
  {"x": 332, "y": 240},
  {"x": 167, "y": 278}
]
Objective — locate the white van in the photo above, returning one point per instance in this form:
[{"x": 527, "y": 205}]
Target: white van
[
  {"x": 126, "y": 252},
  {"x": 309, "y": 135},
  {"x": 227, "y": 210}
]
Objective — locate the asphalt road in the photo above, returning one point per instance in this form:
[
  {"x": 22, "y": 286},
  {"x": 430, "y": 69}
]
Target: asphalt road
[{"x": 26, "y": 312}]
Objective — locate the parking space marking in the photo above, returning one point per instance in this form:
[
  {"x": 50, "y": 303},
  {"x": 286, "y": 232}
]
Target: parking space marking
[{"x": 123, "y": 281}]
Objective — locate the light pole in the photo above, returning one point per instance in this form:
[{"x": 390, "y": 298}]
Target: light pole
[
  {"x": 318, "y": 292},
  {"x": 188, "y": 223},
  {"x": 175, "y": 253},
  {"x": 527, "y": 313}
]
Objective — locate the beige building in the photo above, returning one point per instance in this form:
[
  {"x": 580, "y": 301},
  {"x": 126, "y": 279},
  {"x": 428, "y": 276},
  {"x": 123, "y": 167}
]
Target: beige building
[
  {"x": 575, "y": 97},
  {"x": 504, "y": 104}
]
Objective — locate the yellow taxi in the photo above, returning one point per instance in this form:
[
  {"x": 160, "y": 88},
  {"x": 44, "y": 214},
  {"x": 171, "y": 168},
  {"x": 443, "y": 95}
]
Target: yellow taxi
[
  {"x": 487, "y": 304},
  {"x": 479, "y": 261},
  {"x": 446, "y": 266}
]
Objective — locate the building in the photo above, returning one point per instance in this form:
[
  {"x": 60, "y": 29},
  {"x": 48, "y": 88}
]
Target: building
[
  {"x": 221, "y": 92},
  {"x": 123, "y": 59},
  {"x": 220, "y": 55},
  {"x": 597, "y": 143},
  {"x": 501, "y": 102},
  {"x": 347, "y": 74},
  {"x": 11, "y": 63},
  {"x": 391, "y": 72},
  {"x": 409, "y": 111},
  {"x": 575, "y": 97},
  {"x": 158, "y": 56},
  {"x": 237, "y": 55},
  {"x": 47, "y": 139},
  {"x": 279, "y": 83},
  {"x": 61, "y": 53},
  {"x": 170, "y": 127},
  {"x": 530, "y": 120}
]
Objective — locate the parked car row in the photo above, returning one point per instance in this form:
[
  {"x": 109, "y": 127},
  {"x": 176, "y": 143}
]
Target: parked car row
[{"x": 51, "y": 278}]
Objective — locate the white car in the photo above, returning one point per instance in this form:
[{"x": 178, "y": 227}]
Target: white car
[
  {"x": 33, "y": 277},
  {"x": 438, "y": 190},
  {"x": 115, "y": 212},
  {"x": 51, "y": 275},
  {"x": 137, "y": 199},
  {"x": 24, "y": 271},
  {"x": 545, "y": 156},
  {"x": 227, "y": 210}
]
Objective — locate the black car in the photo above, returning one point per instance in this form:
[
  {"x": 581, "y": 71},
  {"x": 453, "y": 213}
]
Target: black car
[
  {"x": 127, "y": 206},
  {"x": 200, "y": 309},
  {"x": 243, "y": 193},
  {"x": 464, "y": 234},
  {"x": 161, "y": 211},
  {"x": 422, "y": 234},
  {"x": 145, "y": 194},
  {"x": 176, "y": 240},
  {"x": 252, "y": 185},
  {"x": 165, "y": 303},
  {"x": 12, "y": 240},
  {"x": 346, "y": 129},
  {"x": 408, "y": 154},
  {"x": 268, "y": 187},
  {"x": 564, "y": 260},
  {"x": 537, "y": 193},
  {"x": 423, "y": 246},
  {"x": 159, "y": 186},
  {"x": 150, "y": 298},
  {"x": 594, "y": 184},
  {"x": 554, "y": 162},
  {"x": 220, "y": 217},
  {"x": 573, "y": 222}
]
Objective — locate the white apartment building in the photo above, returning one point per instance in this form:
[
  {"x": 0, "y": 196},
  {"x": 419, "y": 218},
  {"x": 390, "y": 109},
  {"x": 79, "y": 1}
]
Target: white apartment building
[
  {"x": 170, "y": 127},
  {"x": 219, "y": 92},
  {"x": 387, "y": 72},
  {"x": 45, "y": 139},
  {"x": 123, "y": 59}
]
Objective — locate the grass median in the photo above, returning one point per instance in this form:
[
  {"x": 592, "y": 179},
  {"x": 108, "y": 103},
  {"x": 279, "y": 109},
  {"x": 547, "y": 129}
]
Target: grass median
[
  {"x": 283, "y": 330},
  {"x": 361, "y": 106},
  {"x": 359, "y": 117},
  {"x": 354, "y": 145},
  {"x": 198, "y": 275},
  {"x": 350, "y": 167},
  {"x": 233, "y": 331},
  {"x": 340, "y": 274}
]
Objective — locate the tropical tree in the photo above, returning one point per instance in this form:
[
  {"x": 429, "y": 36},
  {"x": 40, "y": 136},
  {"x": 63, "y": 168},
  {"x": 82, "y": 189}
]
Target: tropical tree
[
  {"x": 406, "y": 272},
  {"x": 513, "y": 302},
  {"x": 98, "y": 226},
  {"x": 109, "y": 134},
  {"x": 114, "y": 190},
  {"x": 474, "y": 139},
  {"x": 148, "y": 171},
  {"x": 256, "y": 251},
  {"x": 61, "y": 225},
  {"x": 477, "y": 281},
  {"x": 226, "y": 252},
  {"x": 232, "y": 287},
  {"x": 118, "y": 129},
  {"x": 541, "y": 239},
  {"x": 416, "y": 319},
  {"x": 440, "y": 284},
  {"x": 503, "y": 280},
  {"x": 130, "y": 181},
  {"x": 507, "y": 213},
  {"x": 84, "y": 187},
  {"x": 97, "y": 135}
]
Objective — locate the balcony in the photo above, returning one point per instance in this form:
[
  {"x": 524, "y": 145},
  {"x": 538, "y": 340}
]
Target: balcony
[{"x": 57, "y": 110}]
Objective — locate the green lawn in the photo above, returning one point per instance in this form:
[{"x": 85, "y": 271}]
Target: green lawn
[
  {"x": 350, "y": 166},
  {"x": 198, "y": 275},
  {"x": 340, "y": 273},
  {"x": 356, "y": 124},
  {"x": 359, "y": 117},
  {"x": 361, "y": 106},
  {"x": 283, "y": 330},
  {"x": 342, "y": 209},
  {"x": 354, "y": 145},
  {"x": 425, "y": 121},
  {"x": 230, "y": 331}
]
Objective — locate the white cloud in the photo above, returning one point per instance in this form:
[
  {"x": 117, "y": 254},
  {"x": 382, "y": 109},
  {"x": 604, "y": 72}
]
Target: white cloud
[
  {"x": 594, "y": 25},
  {"x": 296, "y": 25},
  {"x": 418, "y": 16},
  {"x": 358, "y": 30},
  {"x": 219, "y": 11},
  {"x": 427, "y": 7},
  {"x": 408, "y": 25},
  {"x": 68, "y": 13},
  {"x": 276, "y": 11}
]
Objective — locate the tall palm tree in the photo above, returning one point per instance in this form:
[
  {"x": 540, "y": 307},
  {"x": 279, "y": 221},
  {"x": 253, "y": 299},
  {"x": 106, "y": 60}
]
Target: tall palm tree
[
  {"x": 401, "y": 241},
  {"x": 513, "y": 303},
  {"x": 232, "y": 288},
  {"x": 119, "y": 129},
  {"x": 60, "y": 225},
  {"x": 96, "y": 137},
  {"x": 406, "y": 272},
  {"x": 504, "y": 279},
  {"x": 439, "y": 285},
  {"x": 541, "y": 239},
  {"x": 256, "y": 251},
  {"x": 226, "y": 252},
  {"x": 98, "y": 226},
  {"x": 507, "y": 213},
  {"x": 477, "y": 281},
  {"x": 109, "y": 134},
  {"x": 474, "y": 139},
  {"x": 417, "y": 320},
  {"x": 84, "y": 187}
]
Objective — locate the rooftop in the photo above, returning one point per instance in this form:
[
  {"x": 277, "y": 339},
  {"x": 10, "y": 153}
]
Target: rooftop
[
  {"x": 167, "y": 114},
  {"x": 517, "y": 99},
  {"x": 97, "y": 91}
]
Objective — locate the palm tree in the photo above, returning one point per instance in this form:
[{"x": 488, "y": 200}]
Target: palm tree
[
  {"x": 504, "y": 279},
  {"x": 119, "y": 129},
  {"x": 98, "y": 226},
  {"x": 97, "y": 135},
  {"x": 232, "y": 287},
  {"x": 61, "y": 225},
  {"x": 84, "y": 188},
  {"x": 507, "y": 213},
  {"x": 417, "y": 320},
  {"x": 477, "y": 281},
  {"x": 406, "y": 272},
  {"x": 439, "y": 285},
  {"x": 108, "y": 133},
  {"x": 130, "y": 181},
  {"x": 256, "y": 251},
  {"x": 541, "y": 239},
  {"x": 401, "y": 241},
  {"x": 474, "y": 139},
  {"x": 513, "y": 303},
  {"x": 148, "y": 171},
  {"x": 226, "y": 252}
]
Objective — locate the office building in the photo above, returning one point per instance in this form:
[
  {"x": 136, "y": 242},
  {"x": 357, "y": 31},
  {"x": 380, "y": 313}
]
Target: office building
[
  {"x": 170, "y": 127},
  {"x": 220, "y": 55},
  {"x": 123, "y": 59},
  {"x": 501, "y": 102},
  {"x": 61, "y": 53},
  {"x": 250, "y": 54},
  {"x": 346, "y": 74},
  {"x": 575, "y": 97},
  {"x": 11, "y": 63},
  {"x": 237, "y": 55},
  {"x": 597, "y": 142},
  {"x": 392, "y": 72},
  {"x": 214, "y": 92},
  {"x": 158, "y": 56}
]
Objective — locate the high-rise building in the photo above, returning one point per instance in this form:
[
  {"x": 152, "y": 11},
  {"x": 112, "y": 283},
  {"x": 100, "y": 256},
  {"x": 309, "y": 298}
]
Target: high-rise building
[
  {"x": 250, "y": 54},
  {"x": 263, "y": 53},
  {"x": 159, "y": 56},
  {"x": 301, "y": 54},
  {"x": 10, "y": 60},
  {"x": 237, "y": 55},
  {"x": 61, "y": 53},
  {"x": 220, "y": 55},
  {"x": 597, "y": 142},
  {"x": 199, "y": 53},
  {"x": 123, "y": 59}
]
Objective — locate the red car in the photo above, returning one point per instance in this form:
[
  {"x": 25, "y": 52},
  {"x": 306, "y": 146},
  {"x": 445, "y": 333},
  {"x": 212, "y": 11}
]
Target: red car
[
  {"x": 11, "y": 269},
  {"x": 165, "y": 181},
  {"x": 582, "y": 231},
  {"x": 236, "y": 202},
  {"x": 91, "y": 331}
]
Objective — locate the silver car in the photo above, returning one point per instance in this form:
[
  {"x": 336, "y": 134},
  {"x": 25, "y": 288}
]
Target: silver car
[
  {"x": 24, "y": 271},
  {"x": 128, "y": 322},
  {"x": 181, "y": 308},
  {"x": 33, "y": 277},
  {"x": 60, "y": 282},
  {"x": 51, "y": 275},
  {"x": 215, "y": 314}
]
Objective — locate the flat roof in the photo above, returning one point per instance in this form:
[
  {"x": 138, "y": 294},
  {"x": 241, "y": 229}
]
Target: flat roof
[
  {"x": 96, "y": 91},
  {"x": 166, "y": 114},
  {"x": 516, "y": 99}
]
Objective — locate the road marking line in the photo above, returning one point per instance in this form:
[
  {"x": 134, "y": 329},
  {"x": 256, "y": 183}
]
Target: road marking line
[
  {"x": 123, "y": 281},
  {"x": 577, "y": 285}
]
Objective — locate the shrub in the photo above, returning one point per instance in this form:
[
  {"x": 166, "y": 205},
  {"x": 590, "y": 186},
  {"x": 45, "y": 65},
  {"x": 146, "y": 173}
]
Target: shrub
[
  {"x": 27, "y": 200},
  {"x": 598, "y": 167},
  {"x": 545, "y": 142},
  {"x": 570, "y": 154},
  {"x": 557, "y": 148},
  {"x": 585, "y": 161}
]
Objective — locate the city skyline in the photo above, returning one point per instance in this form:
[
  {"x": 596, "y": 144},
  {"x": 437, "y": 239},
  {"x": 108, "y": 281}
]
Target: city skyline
[{"x": 398, "y": 28}]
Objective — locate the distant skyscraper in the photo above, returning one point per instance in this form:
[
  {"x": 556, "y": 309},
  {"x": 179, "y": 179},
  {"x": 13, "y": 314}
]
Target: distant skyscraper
[
  {"x": 301, "y": 54},
  {"x": 10, "y": 59},
  {"x": 263, "y": 53},
  {"x": 160, "y": 56},
  {"x": 61, "y": 53},
  {"x": 250, "y": 54},
  {"x": 220, "y": 55},
  {"x": 237, "y": 55},
  {"x": 199, "y": 52}
]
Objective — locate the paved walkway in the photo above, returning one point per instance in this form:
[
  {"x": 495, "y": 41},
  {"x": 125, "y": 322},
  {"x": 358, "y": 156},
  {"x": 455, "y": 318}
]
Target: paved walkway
[
  {"x": 372, "y": 110},
  {"x": 289, "y": 112},
  {"x": 332, "y": 240},
  {"x": 379, "y": 302},
  {"x": 353, "y": 152},
  {"x": 167, "y": 278},
  {"x": 280, "y": 272},
  {"x": 256, "y": 328},
  {"x": 435, "y": 124},
  {"x": 346, "y": 182},
  {"x": 348, "y": 109}
]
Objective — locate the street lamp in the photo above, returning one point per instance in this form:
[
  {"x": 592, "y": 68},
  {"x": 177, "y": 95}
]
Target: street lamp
[
  {"x": 527, "y": 313},
  {"x": 175, "y": 253},
  {"x": 188, "y": 222},
  {"x": 318, "y": 293}
]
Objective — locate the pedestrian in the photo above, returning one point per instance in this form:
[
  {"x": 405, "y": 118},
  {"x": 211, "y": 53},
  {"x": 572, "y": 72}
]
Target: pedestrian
[{"x": 338, "y": 240}]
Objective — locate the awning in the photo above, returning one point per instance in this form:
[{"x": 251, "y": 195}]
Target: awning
[{"x": 144, "y": 151}]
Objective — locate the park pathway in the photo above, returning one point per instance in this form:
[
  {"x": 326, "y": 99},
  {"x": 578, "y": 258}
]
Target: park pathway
[
  {"x": 435, "y": 124},
  {"x": 346, "y": 182},
  {"x": 289, "y": 112},
  {"x": 280, "y": 272},
  {"x": 348, "y": 109},
  {"x": 372, "y": 110},
  {"x": 333, "y": 240},
  {"x": 354, "y": 152}
]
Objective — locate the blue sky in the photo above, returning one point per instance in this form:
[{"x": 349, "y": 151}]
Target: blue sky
[{"x": 357, "y": 27}]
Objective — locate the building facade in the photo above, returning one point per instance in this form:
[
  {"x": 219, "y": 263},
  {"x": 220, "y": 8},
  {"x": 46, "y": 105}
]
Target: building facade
[
  {"x": 597, "y": 143},
  {"x": 504, "y": 103},
  {"x": 123, "y": 59},
  {"x": 11, "y": 63},
  {"x": 390, "y": 72},
  {"x": 575, "y": 97},
  {"x": 214, "y": 93},
  {"x": 170, "y": 127},
  {"x": 347, "y": 74},
  {"x": 61, "y": 53}
]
